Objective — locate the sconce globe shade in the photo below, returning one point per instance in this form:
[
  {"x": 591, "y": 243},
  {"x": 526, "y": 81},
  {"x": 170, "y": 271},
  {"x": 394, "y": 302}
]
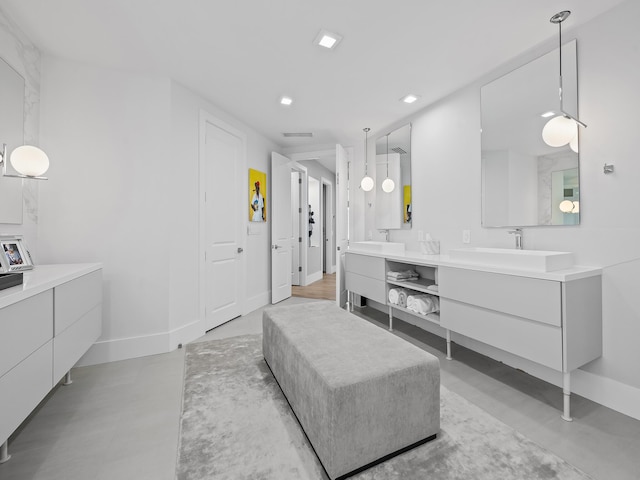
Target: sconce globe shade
[
  {"x": 367, "y": 184},
  {"x": 559, "y": 131},
  {"x": 573, "y": 144},
  {"x": 566, "y": 206},
  {"x": 29, "y": 160},
  {"x": 388, "y": 185}
]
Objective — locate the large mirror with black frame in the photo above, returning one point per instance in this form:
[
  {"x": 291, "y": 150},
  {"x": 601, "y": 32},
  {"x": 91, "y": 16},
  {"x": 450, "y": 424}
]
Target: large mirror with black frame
[
  {"x": 393, "y": 179},
  {"x": 526, "y": 182},
  {"x": 11, "y": 133}
]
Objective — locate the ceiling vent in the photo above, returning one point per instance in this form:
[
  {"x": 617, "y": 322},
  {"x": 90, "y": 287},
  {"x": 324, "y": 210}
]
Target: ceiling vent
[
  {"x": 399, "y": 150},
  {"x": 298, "y": 134}
]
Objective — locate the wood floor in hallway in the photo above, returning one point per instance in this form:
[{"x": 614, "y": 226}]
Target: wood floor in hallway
[{"x": 322, "y": 289}]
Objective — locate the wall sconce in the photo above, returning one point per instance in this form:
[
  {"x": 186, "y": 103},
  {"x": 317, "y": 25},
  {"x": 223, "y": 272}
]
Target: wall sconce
[
  {"x": 388, "y": 185},
  {"x": 562, "y": 129},
  {"x": 568, "y": 206},
  {"x": 367, "y": 182},
  {"x": 28, "y": 161}
]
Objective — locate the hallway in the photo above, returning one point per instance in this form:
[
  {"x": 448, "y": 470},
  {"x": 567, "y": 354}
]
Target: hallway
[{"x": 322, "y": 289}]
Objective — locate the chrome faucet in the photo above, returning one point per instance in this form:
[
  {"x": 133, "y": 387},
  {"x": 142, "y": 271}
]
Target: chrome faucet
[
  {"x": 386, "y": 234},
  {"x": 518, "y": 234}
]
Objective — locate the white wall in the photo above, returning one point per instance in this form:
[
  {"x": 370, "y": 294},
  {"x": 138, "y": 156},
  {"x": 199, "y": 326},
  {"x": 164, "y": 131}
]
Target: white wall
[
  {"x": 446, "y": 161},
  {"x": 124, "y": 186}
]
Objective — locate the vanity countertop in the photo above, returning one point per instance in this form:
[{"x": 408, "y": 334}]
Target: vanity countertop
[
  {"x": 574, "y": 273},
  {"x": 44, "y": 277}
]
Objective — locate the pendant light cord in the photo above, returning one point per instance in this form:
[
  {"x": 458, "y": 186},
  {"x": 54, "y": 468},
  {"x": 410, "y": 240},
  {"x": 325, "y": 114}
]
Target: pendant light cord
[{"x": 387, "y": 155}]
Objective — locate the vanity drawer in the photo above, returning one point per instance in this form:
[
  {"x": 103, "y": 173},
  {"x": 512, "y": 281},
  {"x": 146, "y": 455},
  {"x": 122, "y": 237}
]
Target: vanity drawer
[
  {"x": 24, "y": 327},
  {"x": 535, "y": 341},
  {"x": 23, "y": 387},
  {"x": 365, "y": 265},
  {"x": 75, "y": 298},
  {"x": 531, "y": 298},
  {"x": 367, "y": 287}
]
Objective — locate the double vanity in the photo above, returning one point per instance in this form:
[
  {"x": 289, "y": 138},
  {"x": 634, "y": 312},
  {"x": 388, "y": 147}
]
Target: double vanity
[{"x": 533, "y": 304}]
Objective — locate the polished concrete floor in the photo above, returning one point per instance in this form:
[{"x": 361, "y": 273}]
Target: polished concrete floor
[{"x": 120, "y": 420}]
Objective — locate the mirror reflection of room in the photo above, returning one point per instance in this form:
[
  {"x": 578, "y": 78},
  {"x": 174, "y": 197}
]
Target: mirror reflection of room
[
  {"x": 393, "y": 162},
  {"x": 519, "y": 170}
]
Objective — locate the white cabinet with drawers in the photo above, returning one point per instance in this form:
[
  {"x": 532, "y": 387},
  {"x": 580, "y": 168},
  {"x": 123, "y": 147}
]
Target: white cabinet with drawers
[
  {"x": 551, "y": 318},
  {"x": 46, "y": 325}
]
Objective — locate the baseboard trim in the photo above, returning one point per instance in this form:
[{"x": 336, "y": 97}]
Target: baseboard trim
[
  {"x": 125, "y": 348},
  {"x": 254, "y": 303},
  {"x": 314, "y": 277}
]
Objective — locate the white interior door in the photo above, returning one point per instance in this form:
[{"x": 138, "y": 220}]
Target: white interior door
[
  {"x": 224, "y": 154},
  {"x": 296, "y": 234},
  {"x": 342, "y": 221},
  {"x": 281, "y": 230}
]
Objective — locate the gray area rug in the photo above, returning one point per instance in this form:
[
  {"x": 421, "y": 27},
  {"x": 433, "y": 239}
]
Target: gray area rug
[{"x": 236, "y": 424}]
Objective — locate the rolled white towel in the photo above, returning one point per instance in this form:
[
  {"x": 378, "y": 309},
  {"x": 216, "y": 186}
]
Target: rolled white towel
[
  {"x": 393, "y": 296},
  {"x": 411, "y": 302},
  {"x": 402, "y": 298},
  {"x": 425, "y": 304}
]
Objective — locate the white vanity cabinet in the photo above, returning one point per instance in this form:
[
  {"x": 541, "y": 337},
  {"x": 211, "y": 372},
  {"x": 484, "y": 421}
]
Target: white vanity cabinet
[
  {"x": 364, "y": 275},
  {"x": 555, "y": 323},
  {"x": 551, "y": 318},
  {"x": 46, "y": 325}
]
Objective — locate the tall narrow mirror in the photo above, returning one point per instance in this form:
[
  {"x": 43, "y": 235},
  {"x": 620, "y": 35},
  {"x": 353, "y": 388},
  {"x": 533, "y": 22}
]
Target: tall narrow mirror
[
  {"x": 393, "y": 161},
  {"x": 525, "y": 182},
  {"x": 11, "y": 133}
]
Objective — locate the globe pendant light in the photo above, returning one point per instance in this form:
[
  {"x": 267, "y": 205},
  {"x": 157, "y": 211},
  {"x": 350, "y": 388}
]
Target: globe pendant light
[
  {"x": 388, "y": 185},
  {"x": 367, "y": 182},
  {"x": 562, "y": 129}
]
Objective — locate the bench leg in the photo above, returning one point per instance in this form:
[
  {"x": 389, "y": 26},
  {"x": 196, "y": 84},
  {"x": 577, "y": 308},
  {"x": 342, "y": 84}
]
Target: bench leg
[{"x": 4, "y": 452}]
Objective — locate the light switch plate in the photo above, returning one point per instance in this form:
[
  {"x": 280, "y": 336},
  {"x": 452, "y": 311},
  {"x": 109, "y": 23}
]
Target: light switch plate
[{"x": 466, "y": 236}]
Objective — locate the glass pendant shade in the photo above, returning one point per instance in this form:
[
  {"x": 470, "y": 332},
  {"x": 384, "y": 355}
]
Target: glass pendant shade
[
  {"x": 566, "y": 206},
  {"x": 367, "y": 183},
  {"x": 573, "y": 144},
  {"x": 388, "y": 185},
  {"x": 559, "y": 131},
  {"x": 29, "y": 160}
]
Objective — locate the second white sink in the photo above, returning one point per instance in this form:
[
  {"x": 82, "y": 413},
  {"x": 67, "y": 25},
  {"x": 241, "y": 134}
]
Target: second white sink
[
  {"x": 389, "y": 248},
  {"x": 532, "y": 260}
]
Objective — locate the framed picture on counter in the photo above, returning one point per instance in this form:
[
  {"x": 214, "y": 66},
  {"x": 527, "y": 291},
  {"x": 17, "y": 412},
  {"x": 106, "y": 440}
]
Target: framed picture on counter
[{"x": 14, "y": 256}]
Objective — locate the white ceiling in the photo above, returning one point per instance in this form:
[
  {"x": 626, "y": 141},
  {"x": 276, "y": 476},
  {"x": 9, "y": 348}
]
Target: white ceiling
[{"x": 244, "y": 54}]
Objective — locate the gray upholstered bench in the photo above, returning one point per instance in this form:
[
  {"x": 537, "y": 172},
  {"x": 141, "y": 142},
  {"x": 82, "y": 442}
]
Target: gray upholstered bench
[{"x": 360, "y": 393}]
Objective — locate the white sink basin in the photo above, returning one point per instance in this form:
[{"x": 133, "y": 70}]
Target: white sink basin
[
  {"x": 532, "y": 260},
  {"x": 388, "y": 248}
]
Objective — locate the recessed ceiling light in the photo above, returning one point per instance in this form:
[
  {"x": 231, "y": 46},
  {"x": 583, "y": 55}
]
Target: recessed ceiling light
[
  {"x": 410, "y": 98},
  {"x": 286, "y": 101},
  {"x": 547, "y": 114},
  {"x": 327, "y": 39}
]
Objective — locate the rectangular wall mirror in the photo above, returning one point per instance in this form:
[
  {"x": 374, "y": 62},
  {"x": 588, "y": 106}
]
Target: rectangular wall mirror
[
  {"x": 11, "y": 133},
  {"x": 525, "y": 182},
  {"x": 393, "y": 160}
]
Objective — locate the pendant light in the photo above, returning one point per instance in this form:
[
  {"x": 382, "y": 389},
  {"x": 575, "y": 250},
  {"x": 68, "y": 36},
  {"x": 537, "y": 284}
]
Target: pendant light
[
  {"x": 367, "y": 182},
  {"x": 563, "y": 128},
  {"x": 388, "y": 185}
]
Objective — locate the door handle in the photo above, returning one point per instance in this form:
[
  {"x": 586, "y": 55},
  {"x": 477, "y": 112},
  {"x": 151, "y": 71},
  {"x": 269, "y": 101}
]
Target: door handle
[
  {"x": 275, "y": 247},
  {"x": 240, "y": 249}
]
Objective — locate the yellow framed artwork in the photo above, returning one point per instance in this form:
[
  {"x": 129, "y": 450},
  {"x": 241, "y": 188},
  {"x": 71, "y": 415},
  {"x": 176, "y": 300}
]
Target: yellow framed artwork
[
  {"x": 407, "y": 204},
  {"x": 257, "y": 196}
]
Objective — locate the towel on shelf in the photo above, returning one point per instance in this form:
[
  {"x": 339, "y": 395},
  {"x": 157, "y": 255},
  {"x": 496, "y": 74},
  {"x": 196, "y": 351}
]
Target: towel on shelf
[
  {"x": 393, "y": 296},
  {"x": 402, "y": 298},
  {"x": 404, "y": 275},
  {"x": 423, "y": 304},
  {"x": 433, "y": 288}
]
